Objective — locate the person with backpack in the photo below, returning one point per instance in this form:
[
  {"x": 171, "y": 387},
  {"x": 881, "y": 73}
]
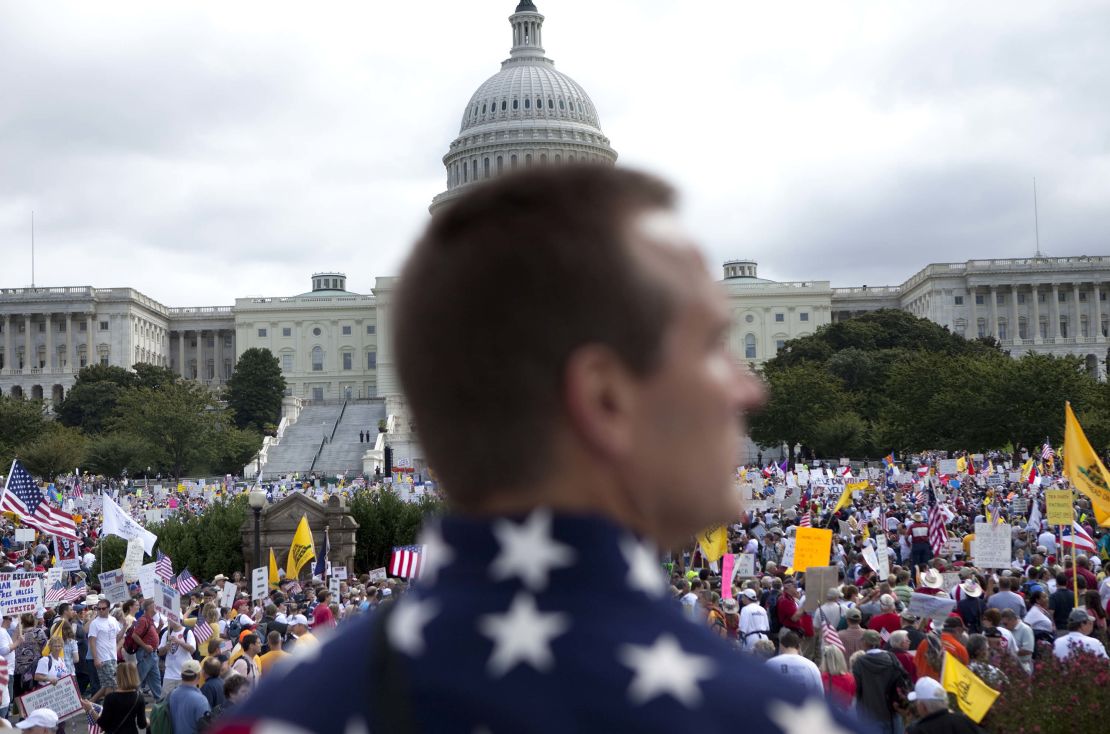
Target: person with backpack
[
  {"x": 32, "y": 638},
  {"x": 882, "y": 684},
  {"x": 142, "y": 641},
  {"x": 185, "y": 708},
  {"x": 178, "y": 643}
]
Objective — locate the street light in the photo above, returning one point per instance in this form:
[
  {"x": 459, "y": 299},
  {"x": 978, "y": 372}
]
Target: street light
[{"x": 257, "y": 500}]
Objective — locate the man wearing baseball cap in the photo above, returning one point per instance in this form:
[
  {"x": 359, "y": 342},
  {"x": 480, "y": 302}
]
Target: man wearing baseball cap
[
  {"x": 930, "y": 701},
  {"x": 1080, "y": 625},
  {"x": 188, "y": 706},
  {"x": 299, "y": 634},
  {"x": 754, "y": 624}
]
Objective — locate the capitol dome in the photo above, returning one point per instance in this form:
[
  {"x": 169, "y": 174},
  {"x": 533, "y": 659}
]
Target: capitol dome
[{"x": 526, "y": 114}]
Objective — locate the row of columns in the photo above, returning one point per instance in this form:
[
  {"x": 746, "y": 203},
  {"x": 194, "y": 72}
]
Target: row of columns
[
  {"x": 1094, "y": 320},
  {"x": 218, "y": 354},
  {"x": 30, "y": 354}
]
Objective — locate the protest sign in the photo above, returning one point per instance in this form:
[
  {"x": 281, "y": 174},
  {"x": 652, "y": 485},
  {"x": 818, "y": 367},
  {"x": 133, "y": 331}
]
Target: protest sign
[
  {"x": 61, "y": 698},
  {"x": 227, "y": 595},
  {"x": 258, "y": 583},
  {"x": 992, "y": 545},
  {"x": 113, "y": 587},
  {"x": 333, "y": 587},
  {"x": 378, "y": 574},
  {"x": 745, "y": 565},
  {"x": 936, "y": 608},
  {"x": 1019, "y": 506},
  {"x": 148, "y": 579},
  {"x": 952, "y": 546},
  {"x": 811, "y": 548},
  {"x": 53, "y": 576},
  {"x": 995, "y": 480},
  {"x": 153, "y": 516},
  {"x": 949, "y": 580},
  {"x": 871, "y": 558},
  {"x": 133, "y": 560},
  {"x": 20, "y": 592},
  {"x": 788, "y": 553},
  {"x": 25, "y": 535},
  {"x": 168, "y": 600},
  {"x": 947, "y": 466},
  {"x": 339, "y": 572},
  {"x": 1014, "y": 476},
  {"x": 819, "y": 579},
  {"x": 1059, "y": 503},
  {"x": 845, "y": 529},
  {"x": 884, "y": 557}
]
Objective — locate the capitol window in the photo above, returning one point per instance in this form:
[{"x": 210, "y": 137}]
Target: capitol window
[
  {"x": 103, "y": 325},
  {"x": 316, "y": 331},
  {"x": 779, "y": 317},
  {"x": 749, "y": 347},
  {"x": 978, "y": 300},
  {"x": 286, "y": 331},
  {"x": 550, "y": 103},
  {"x": 261, "y": 332},
  {"x": 515, "y": 104},
  {"x": 287, "y": 363},
  {"x": 504, "y": 104},
  {"x": 779, "y": 344},
  {"x": 749, "y": 318},
  {"x": 804, "y": 316},
  {"x": 562, "y": 104},
  {"x": 347, "y": 360},
  {"x": 371, "y": 328},
  {"x": 527, "y": 103},
  {"x": 346, "y": 330},
  {"x": 317, "y": 359}
]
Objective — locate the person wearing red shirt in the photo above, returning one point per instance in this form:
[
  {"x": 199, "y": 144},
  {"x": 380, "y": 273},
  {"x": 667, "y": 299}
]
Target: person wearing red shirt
[
  {"x": 1084, "y": 573},
  {"x": 920, "y": 549},
  {"x": 887, "y": 619},
  {"x": 322, "y": 618}
]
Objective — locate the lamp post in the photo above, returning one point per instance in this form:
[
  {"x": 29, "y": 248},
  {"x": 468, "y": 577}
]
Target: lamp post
[{"x": 257, "y": 500}]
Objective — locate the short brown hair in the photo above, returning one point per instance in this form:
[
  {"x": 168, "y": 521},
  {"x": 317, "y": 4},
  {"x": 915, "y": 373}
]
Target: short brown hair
[
  {"x": 505, "y": 283},
  {"x": 127, "y": 677}
]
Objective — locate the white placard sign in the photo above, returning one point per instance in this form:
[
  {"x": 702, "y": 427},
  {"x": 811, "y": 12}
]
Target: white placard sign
[
  {"x": 871, "y": 558},
  {"x": 149, "y": 580},
  {"x": 884, "y": 556},
  {"x": 788, "y": 553},
  {"x": 133, "y": 560},
  {"x": 113, "y": 587},
  {"x": 259, "y": 579},
  {"x": 227, "y": 596},
  {"x": 20, "y": 592},
  {"x": 936, "y": 608},
  {"x": 378, "y": 574},
  {"x": 61, "y": 698},
  {"x": 992, "y": 545},
  {"x": 745, "y": 565},
  {"x": 25, "y": 535},
  {"x": 53, "y": 576},
  {"x": 168, "y": 600},
  {"x": 339, "y": 572},
  {"x": 333, "y": 587},
  {"x": 946, "y": 466}
]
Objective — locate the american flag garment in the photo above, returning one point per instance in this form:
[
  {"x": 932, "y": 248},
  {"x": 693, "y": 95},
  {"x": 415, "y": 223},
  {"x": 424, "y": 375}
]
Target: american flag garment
[
  {"x": 506, "y": 632},
  {"x": 185, "y": 582},
  {"x": 23, "y": 497},
  {"x": 405, "y": 561},
  {"x": 3, "y": 670},
  {"x": 163, "y": 566},
  {"x": 76, "y": 491},
  {"x": 938, "y": 533}
]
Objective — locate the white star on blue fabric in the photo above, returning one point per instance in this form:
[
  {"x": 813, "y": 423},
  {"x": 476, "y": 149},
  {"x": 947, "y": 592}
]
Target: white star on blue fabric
[
  {"x": 522, "y": 635},
  {"x": 644, "y": 572},
  {"x": 406, "y": 626},
  {"x": 812, "y": 716},
  {"x": 529, "y": 551},
  {"x": 437, "y": 554},
  {"x": 664, "y": 668}
]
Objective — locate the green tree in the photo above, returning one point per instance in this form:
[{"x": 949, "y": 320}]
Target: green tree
[
  {"x": 110, "y": 551},
  {"x": 21, "y": 422},
  {"x": 234, "y": 448},
  {"x": 801, "y": 396},
  {"x": 255, "y": 390},
  {"x": 843, "y": 434},
  {"x": 57, "y": 450},
  {"x": 89, "y": 405},
  {"x": 149, "y": 375},
  {"x": 181, "y": 421},
  {"x": 385, "y": 520},
  {"x": 110, "y": 453},
  {"x": 207, "y": 543}
]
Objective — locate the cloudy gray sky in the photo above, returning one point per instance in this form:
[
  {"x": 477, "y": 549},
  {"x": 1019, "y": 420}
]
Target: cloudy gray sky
[{"x": 202, "y": 151}]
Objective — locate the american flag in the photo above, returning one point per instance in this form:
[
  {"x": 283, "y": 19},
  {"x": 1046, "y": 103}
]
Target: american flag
[
  {"x": 76, "y": 592},
  {"x": 185, "y": 582},
  {"x": 1047, "y": 454},
  {"x": 202, "y": 631},
  {"x": 830, "y": 638},
  {"x": 919, "y": 495},
  {"x": 93, "y": 714},
  {"x": 56, "y": 594},
  {"x": 406, "y": 561},
  {"x": 23, "y": 497},
  {"x": 938, "y": 534},
  {"x": 805, "y": 521},
  {"x": 77, "y": 493},
  {"x": 3, "y": 670},
  {"x": 164, "y": 567}
]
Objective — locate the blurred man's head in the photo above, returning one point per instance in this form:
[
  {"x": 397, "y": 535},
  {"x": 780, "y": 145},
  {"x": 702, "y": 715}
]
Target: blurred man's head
[{"x": 562, "y": 343}]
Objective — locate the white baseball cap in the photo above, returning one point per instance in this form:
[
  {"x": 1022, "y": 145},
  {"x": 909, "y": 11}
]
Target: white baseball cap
[
  {"x": 298, "y": 619},
  {"x": 927, "y": 689},
  {"x": 39, "y": 717}
]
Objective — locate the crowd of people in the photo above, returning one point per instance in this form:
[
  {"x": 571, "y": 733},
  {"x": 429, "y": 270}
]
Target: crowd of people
[{"x": 881, "y": 658}]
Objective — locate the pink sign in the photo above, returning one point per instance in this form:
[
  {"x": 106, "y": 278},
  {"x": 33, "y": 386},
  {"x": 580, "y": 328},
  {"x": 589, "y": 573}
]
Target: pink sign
[
  {"x": 728, "y": 568},
  {"x": 173, "y": 503}
]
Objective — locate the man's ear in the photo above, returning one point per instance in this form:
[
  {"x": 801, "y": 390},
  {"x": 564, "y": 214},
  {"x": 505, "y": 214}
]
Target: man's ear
[{"x": 601, "y": 400}]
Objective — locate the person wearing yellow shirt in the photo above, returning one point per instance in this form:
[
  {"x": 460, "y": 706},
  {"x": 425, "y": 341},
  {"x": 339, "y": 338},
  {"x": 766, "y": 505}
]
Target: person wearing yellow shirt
[
  {"x": 968, "y": 539},
  {"x": 299, "y": 634},
  {"x": 274, "y": 656}
]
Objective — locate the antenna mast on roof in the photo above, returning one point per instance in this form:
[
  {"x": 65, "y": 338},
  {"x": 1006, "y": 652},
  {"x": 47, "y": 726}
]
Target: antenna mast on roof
[
  {"x": 1036, "y": 220},
  {"x": 32, "y": 249}
]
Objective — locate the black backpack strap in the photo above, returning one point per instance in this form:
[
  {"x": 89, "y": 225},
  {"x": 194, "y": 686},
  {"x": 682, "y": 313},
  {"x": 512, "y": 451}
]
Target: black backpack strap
[{"x": 390, "y": 699}]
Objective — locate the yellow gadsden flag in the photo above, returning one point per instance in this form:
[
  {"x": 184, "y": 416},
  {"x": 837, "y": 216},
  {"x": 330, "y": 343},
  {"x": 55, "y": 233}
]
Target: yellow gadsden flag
[
  {"x": 974, "y": 696},
  {"x": 714, "y": 543},
  {"x": 1084, "y": 469},
  {"x": 846, "y": 495},
  {"x": 275, "y": 577},
  {"x": 301, "y": 551}
]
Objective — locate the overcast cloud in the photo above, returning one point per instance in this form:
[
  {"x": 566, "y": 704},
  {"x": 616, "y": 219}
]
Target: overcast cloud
[{"x": 205, "y": 151}]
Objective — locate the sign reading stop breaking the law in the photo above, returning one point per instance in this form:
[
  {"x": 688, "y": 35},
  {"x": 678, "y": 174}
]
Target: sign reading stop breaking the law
[
  {"x": 20, "y": 592},
  {"x": 61, "y": 698}
]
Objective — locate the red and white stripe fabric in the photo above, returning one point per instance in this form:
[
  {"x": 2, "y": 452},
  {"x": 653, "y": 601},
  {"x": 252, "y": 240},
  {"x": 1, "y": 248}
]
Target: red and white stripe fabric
[
  {"x": 805, "y": 521},
  {"x": 1079, "y": 538},
  {"x": 406, "y": 561},
  {"x": 938, "y": 534},
  {"x": 830, "y": 638}
]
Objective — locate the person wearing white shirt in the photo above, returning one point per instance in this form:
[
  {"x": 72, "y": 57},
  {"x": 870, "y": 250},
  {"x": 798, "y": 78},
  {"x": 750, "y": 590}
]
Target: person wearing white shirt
[
  {"x": 1038, "y": 617},
  {"x": 1104, "y": 591},
  {"x": 790, "y": 663},
  {"x": 754, "y": 625},
  {"x": 1048, "y": 540},
  {"x": 1024, "y": 641},
  {"x": 1080, "y": 625}
]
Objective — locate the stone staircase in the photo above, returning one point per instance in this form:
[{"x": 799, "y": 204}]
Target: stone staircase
[{"x": 343, "y": 453}]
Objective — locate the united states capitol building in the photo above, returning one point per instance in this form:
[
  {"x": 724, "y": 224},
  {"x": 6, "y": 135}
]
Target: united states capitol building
[{"x": 334, "y": 345}]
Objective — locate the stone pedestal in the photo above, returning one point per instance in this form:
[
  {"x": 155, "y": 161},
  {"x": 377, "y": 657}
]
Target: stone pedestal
[{"x": 279, "y": 522}]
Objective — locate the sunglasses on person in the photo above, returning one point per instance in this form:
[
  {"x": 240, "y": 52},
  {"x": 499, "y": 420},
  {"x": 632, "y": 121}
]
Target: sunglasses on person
[{"x": 102, "y": 609}]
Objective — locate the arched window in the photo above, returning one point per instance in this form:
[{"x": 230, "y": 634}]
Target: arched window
[
  {"x": 483, "y": 108},
  {"x": 500, "y": 164},
  {"x": 504, "y": 104},
  {"x": 558, "y": 158},
  {"x": 515, "y": 104},
  {"x": 1023, "y": 328},
  {"x": 512, "y": 161},
  {"x": 562, "y": 104},
  {"x": 527, "y": 160},
  {"x": 317, "y": 359},
  {"x": 485, "y": 167},
  {"x": 543, "y": 159},
  {"x": 749, "y": 347},
  {"x": 527, "y": 103},
  {"x": 550, "y": 103},
  {"x": 539, "y": 103}
]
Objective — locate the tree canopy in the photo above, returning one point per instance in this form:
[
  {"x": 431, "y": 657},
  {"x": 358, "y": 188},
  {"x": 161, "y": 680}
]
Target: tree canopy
[
  {"x": 255, "y": 390},
  {"x": 891, "y": 381}
]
